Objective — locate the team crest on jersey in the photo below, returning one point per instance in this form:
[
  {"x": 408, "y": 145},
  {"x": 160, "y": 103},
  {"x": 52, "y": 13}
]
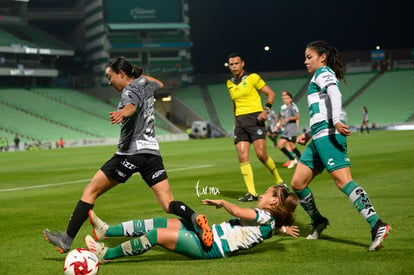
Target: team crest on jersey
[
  {"x": 129, "y": 94},
  {"x": 259, "y": 132}
]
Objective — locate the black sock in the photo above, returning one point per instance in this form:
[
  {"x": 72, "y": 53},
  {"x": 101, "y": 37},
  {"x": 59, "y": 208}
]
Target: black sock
[
  {"x": 297, "y": 152},
  {"x": 286, "y": 152},
  {"x": 79, "y": 215},
  {"x": 181, "y": 209}
]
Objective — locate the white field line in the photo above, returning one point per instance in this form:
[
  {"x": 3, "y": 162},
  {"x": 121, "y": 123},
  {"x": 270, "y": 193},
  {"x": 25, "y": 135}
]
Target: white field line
[{"x": 86, "y": 180}]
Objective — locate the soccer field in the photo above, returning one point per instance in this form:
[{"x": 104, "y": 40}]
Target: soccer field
[{"x": 38, "y": 189}]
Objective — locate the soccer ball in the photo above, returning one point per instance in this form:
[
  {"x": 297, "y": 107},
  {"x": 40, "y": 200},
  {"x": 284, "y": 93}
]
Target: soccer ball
[{"x": 81, "y": 261}]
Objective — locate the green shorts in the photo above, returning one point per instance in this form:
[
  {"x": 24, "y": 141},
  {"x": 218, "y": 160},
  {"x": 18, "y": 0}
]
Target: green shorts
[
  {"x": 189, "y": 244},
  {"x": 328, "y": 152}
]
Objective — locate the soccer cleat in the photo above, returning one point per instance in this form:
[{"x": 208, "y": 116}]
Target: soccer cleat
[
  {"x": 99, "y": 226},
  {"x": 248, "y": 197},
  {"x": 379, "y": 232},
  {"x": 204, "y": 231},
  {"x": 98, "y": 249},
  {"x": 317, "y": 228},
  {"x": 286, "y": 164},
  {"x": 292, "y": 163},
  {"x": 58, "y": 239}
]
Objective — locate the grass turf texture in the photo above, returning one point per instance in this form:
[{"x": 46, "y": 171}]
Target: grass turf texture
[{"x": 39, "y": 189}]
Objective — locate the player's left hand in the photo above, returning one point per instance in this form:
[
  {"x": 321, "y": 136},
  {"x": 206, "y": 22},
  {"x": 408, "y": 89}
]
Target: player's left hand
[
  {"x": 292, "y": 231},
  {"x": 115, "y": 117},
  {"x": 342, "y": 129},
  {"x": 262, "y": 116}
]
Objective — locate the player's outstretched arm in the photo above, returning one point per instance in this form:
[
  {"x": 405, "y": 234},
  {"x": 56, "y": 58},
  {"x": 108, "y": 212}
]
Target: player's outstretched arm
[{"x": 232, "y": 209}]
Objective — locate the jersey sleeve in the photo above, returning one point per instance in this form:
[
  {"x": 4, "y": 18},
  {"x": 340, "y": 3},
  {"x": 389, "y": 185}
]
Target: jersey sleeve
[
  {"x": 259, "y": 83},
  {"x": 129, "y": 97},
  {"x": 262, "y": 217}
]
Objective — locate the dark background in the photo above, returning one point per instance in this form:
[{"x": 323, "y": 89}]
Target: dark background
[{"x": 219, "y": 27}]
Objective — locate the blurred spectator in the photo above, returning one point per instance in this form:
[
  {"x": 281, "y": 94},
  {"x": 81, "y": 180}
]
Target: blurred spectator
[
  {"x": 16, "y": 143},
  {"x": 365, "y": 120},
  {"x": 6, "y": 144}
]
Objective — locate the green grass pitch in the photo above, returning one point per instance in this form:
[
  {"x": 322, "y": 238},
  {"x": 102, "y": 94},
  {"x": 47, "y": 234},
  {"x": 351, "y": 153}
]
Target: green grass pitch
[{"x": 39, "y": 189}]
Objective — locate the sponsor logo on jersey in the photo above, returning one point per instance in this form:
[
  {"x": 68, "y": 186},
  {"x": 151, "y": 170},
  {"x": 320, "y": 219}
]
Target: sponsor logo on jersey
[{"x": 128, "y": 165}]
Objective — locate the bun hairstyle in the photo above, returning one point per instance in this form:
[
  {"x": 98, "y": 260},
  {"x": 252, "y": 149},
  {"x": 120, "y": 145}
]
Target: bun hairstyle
[
  {"x": 120, "y": 63},
  {"x": 333, "y": 59}
]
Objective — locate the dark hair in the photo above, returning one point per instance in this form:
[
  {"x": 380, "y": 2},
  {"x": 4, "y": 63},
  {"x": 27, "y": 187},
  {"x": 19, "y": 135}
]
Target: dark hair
[
  {"x": 333, "y": 59},
  {"x": 288, "y": 94},
  {"x": 283, "y": 213},
  {"x": 236, "y": 54},
  {"x": 365, "y": 109},
  {"x": 120, "y": 63}
]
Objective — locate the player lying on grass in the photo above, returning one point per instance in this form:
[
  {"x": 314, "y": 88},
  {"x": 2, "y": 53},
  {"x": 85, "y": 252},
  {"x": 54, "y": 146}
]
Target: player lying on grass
[{"x": 273, "y": 214}]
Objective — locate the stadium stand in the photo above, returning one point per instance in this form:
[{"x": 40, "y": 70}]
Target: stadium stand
[
  {"x": 33, "y": 37},
  {"x": 8, "y": 39},
  {"x": 77, "y": 100},
  {"x": 33, "y": 128},
  {"x": 292, "y": 84},
  {"x": 57, "y": 112},
  {"x": 221, "y": 100},
  {"x": 354, "y": 83},
  {"x": 389, "y": 99},
  {"x": 193, "y": 99}
]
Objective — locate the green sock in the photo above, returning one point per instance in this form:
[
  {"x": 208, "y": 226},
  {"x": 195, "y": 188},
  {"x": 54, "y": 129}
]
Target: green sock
[
  {"x": 361, "y": 202},
  {"x": 136, "y": 228},
  {"x": 308, "y": 203},
  {"x": 133, "y": 247}
]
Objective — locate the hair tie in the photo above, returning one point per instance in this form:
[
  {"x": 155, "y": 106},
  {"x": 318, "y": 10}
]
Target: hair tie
[
  {"x": 280, "y": 196},
  {"x": 133, "y": 69}
]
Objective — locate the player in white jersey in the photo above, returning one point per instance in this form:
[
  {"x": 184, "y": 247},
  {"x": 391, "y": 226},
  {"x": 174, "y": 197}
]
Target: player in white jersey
[
  {"x": 138, "y": 151},
  {"x": 328, "y": 148},
  {"x": 273, "y": 214}
]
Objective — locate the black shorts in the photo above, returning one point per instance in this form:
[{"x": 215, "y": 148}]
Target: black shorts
[
  {"x": 121, "y": 168},
  {"x": 248, "y": 128},
  {"x": 289, "y": 138}
]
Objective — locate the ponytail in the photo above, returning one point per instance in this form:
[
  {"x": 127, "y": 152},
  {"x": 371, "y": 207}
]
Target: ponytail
[
  {"x": 120, "y": 63},
  {"x": 333, "y": 59}
]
